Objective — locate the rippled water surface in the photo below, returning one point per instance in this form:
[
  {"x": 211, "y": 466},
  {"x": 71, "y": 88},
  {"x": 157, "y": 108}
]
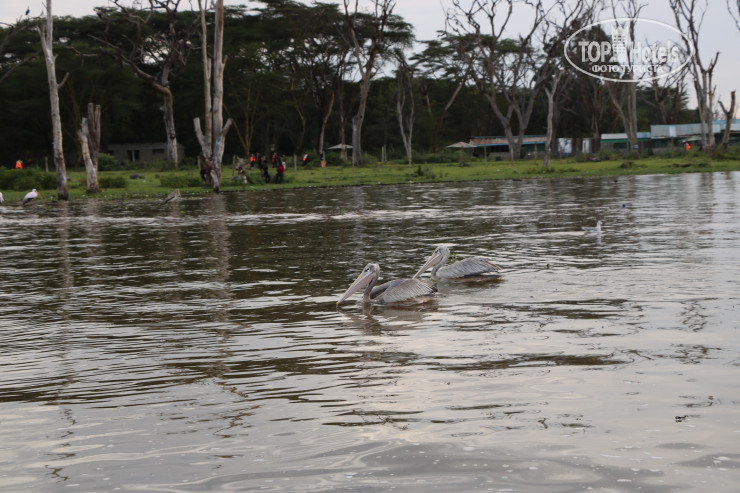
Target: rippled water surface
[{"x": 196, "y": 346}]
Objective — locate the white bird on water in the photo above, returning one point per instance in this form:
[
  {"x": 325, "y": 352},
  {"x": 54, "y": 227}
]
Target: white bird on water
[
  {"x": 593, "y": 229},
  {"x": 30, "y": 196}
]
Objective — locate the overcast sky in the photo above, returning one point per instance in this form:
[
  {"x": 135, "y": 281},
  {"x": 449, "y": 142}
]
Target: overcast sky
[{"x": 719, "y": 32}]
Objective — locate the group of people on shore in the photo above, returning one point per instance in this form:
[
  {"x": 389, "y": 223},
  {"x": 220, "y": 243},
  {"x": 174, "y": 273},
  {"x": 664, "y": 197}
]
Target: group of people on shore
[{"x": 259, "y": 161}]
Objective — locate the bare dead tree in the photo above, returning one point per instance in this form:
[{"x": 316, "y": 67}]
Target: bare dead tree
[
  {"x": 46, "y": 32},
  {"x": 689, "y": 17},
  {"x": 668, "y": 94},
  {"x": 365, "y": 58},
  {"x": 212, "y": 154},
  {"x": 734, "y": 11},
  {"x": 551, "y": 92},
  {"x": 89, "y": 137},
  {"x": 729, "y": 114}
]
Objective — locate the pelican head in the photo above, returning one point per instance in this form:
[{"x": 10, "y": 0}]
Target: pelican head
[
  {"x": 367, "y": 279},
  {"x": 437, "y": 258}
]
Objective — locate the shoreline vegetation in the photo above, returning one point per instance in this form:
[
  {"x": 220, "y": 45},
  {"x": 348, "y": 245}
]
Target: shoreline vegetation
[{"x": 151, "y": 181}]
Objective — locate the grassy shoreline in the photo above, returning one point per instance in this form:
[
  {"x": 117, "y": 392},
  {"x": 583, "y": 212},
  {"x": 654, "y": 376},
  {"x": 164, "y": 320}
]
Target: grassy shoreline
[{"x": 151, "y": 185}]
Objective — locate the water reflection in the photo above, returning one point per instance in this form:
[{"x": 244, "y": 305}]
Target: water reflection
[{"x": 197, "y": 345}]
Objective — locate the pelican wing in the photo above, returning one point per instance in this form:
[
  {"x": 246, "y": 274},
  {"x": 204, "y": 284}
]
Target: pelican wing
[
  {"x": 468, "y": 267},
  {"x": 403, "y": 290}
]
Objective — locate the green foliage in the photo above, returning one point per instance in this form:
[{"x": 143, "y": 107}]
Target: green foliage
[
  {"x": 112, "y": 181},
  {"x": 180, "y": 181},
  {"x": 27, "y": 179},
  {"x": 106, "y": 162}
]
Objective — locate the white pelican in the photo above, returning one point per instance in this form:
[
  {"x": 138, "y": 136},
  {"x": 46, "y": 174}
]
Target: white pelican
[
  {"x": 30, "y": 196},
  {"x": 398, "y": 291},
  {"x": 174, "y": 195},
  {"x": 593, "y": 229},
  {"x": 467, "y": 268}
]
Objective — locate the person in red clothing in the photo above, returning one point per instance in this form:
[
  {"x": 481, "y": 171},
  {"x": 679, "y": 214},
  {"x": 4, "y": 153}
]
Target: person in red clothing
[
  {"x": 19, "y": 164},
  {"x": 280, "y": 172}
]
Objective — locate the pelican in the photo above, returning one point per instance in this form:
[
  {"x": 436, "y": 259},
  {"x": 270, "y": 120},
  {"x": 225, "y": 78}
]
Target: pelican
[
  {"x": 593, "y": 229},
  {"x": 467, "y": 268},
  {"x": 398, "y": 291},
  {"x": 174, "y": 195},
  {"x": 30, "y": 196}
]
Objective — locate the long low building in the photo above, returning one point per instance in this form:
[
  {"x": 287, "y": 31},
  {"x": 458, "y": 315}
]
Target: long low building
[{"x": 662, "y": 138}]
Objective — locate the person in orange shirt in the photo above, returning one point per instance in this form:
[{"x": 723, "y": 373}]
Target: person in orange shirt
[{"x": 19, "y": 164}]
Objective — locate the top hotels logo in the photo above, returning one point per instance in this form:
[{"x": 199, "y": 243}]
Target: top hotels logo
[{"x": 627, "y": 49}]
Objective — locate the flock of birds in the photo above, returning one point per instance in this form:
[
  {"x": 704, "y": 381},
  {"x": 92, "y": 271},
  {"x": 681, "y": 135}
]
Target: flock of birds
[
  {"x": 416, "y": 290},
  {"x": 31, "y": 196}
]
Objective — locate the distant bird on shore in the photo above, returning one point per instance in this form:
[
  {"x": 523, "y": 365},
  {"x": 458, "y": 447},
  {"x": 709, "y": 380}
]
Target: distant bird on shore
[
  {"x": 593, "y": 229},
  {"x": 30, "y": 196},
  {"x": 470, "y": 268},
  {"x": 174, "y": 195},
  {"x": 1, "y": 198}
]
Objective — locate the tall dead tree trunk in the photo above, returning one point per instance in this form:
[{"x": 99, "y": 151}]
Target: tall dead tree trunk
[
  {"x": 213, "y": 154},
  {"x": 550, "y": 92},
  {"x": 89, "y": 136},
  {"x": 405, "y": 88},
  {"x": 729, "y": 114},
  {"x": 47, "y": 39}
]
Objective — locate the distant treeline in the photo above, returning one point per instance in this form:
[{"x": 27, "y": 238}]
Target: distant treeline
[{"x": 287, "y": 66}]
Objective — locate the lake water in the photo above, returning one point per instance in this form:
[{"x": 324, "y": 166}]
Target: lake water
[{"x": 197, "y": 346}]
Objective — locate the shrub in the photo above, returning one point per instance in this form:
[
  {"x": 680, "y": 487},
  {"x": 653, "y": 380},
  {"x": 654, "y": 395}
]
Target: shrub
[
  {"x": 106, "y": 162},
  {"x": 180, "y": 181},
  {"x": 112, "y": 182},
  {"x": 27, "y": 179}
]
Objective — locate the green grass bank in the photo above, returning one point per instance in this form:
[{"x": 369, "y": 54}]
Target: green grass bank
[{"x": 149, "y": 182}]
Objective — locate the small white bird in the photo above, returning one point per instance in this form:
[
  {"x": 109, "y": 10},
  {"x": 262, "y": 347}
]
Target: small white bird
[
  {"x": 592, "y": 229},
  {"x": 1, "y": 198},
  {"x": 30, "y": 196}
]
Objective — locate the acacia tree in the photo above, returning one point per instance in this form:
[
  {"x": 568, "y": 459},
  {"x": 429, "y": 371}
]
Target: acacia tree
[
  {"x": 507, "y": 71},
  {"x": 623, "y": 93},
  {"x": 47, "y": 39},
  {"x": 153, "y": 51},
  {"x": 689, "y": 16},
  {"x": 12, "y": 62},
  {"x": 438, "y": 62},
  {"x": 405, "y": 78},
  {"x": 366, "y": 55},
  {"x": 212, "y": 147}
]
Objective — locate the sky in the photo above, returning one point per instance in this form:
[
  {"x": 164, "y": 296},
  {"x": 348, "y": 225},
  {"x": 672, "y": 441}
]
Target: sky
[{"x": 719, "y": 31}]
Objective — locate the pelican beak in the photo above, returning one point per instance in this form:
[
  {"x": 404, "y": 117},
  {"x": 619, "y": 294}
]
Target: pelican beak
[
  {"x": 433, "y": 259},
  {"x": 362, "y": 281}
]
